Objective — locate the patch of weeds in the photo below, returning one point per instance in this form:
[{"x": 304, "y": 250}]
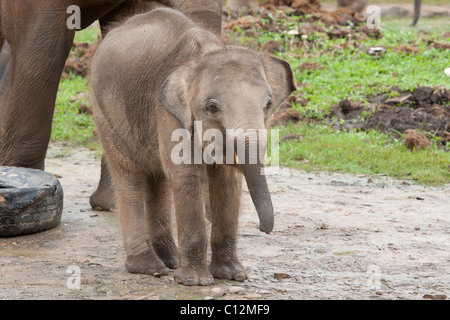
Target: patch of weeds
[
  {"x": 361, "y": 152},
  {"x": 69, "y": 124}
]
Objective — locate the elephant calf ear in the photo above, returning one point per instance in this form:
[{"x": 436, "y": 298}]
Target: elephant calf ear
[
  {"x": 173, "y": 96},
  {"x": 280, "y": 78}
]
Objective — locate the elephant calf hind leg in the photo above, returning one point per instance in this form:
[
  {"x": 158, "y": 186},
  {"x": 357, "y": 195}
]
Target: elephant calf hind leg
[
  {"x": 159, "y": 224},
  {"x": 131, "y": 188},
  {"x": 104, "y": 197}
]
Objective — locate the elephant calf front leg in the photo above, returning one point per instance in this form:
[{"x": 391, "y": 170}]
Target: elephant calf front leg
[
  {"x": 225, "y": 186},
  {"x": 192, "y": 239}
]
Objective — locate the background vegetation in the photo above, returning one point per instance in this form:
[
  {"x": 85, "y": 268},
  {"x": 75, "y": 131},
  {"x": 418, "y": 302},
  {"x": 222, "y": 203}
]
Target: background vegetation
[{"x": 346, "y": 71}]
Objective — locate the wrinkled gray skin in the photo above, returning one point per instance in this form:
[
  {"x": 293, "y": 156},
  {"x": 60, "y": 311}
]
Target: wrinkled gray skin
[
  {"x": 417, "y": 4},
  {"x": 160, "y": 72},
  {"x": 355, "y": 5}
]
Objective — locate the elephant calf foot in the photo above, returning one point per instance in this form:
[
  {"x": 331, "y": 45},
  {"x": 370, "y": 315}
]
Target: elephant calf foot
[
  {"x": 103, "y": 200},
  {"x": 146, "y": 263},
  {"x": 193, "y": 276},
  {"x": 228, "y": 270},
  {"x": 168, "y": 254}
]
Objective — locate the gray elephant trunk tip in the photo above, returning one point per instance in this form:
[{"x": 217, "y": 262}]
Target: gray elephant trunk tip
[{"x": 266, "y": 226}]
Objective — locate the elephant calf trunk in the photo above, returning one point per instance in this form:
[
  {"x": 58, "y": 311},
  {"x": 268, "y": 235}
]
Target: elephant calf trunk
[
  {"x": 256, "y": 180},
  {"x": 259, "y": 192}
]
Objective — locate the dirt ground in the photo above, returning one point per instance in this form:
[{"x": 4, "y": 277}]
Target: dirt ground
[{"x": 336, "y": 236}]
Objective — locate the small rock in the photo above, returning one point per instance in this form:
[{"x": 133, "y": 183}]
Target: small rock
[
  {"x": 447, "y": 72},
  {"x": 150, "y": 296},
  {"x": 78, "y": 96},
  {"x": 435, "y": 296},
  {"x": 217, "y": 292},
  {"x": 323, "y": 226},
  {"x": 253, "y": 296},
  {"x": 281, "y": 275},
  {"x": 376, "y": 51},
  {"x": 236, "y": 290}
]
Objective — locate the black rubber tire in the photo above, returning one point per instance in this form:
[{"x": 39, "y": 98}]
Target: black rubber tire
[{"x": 30, "y": 201}]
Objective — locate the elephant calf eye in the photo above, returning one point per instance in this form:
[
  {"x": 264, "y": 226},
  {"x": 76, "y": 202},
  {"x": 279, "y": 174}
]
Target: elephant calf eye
[
  {"x": 212, "y": 108},
  {"x": 268, "y": 105}
]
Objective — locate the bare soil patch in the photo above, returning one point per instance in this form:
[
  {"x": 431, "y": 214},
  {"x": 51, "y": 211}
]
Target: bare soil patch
[
  {"x": 79, "y": 61},
  {"x": 424, "y": 109}
]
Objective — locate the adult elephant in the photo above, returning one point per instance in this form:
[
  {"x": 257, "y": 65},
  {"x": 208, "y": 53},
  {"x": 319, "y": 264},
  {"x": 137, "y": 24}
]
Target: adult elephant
[
  {"x": 36, "y": 41},
  {"x": 417, "y": 4},
  {"x": 359, "y": 5}
]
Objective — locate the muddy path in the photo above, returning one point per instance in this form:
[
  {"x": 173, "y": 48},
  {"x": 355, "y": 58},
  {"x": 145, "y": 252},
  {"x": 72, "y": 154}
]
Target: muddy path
[{"x": 336, "y": 237}]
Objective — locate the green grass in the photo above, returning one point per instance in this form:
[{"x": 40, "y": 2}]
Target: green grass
[
  {"x": 69, "y": 124},
  {"x": 324, "y": 149},
  {"x": 89, "y": 34}
]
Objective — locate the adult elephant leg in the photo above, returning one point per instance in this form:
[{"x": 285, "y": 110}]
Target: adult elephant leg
[
  {"x": 104, "y": 198},
  {"x": 37, "y": 62},
  {"x": 5, "y": 84},
  {"x": 126, "y": 9},
  {"x": 207, "y": 13},
  {"x": 416, "y": 15}
]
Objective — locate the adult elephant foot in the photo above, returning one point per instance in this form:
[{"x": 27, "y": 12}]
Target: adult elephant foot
[{"x": 104, "y": 198}]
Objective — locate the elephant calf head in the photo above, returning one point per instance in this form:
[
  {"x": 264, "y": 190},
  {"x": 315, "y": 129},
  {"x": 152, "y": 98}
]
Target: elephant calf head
[{"x": 233, "y": 91}]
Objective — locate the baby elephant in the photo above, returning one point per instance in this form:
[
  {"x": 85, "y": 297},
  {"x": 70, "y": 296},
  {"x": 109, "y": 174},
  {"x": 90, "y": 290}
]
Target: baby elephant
[{"x": 159, "y": 79}]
